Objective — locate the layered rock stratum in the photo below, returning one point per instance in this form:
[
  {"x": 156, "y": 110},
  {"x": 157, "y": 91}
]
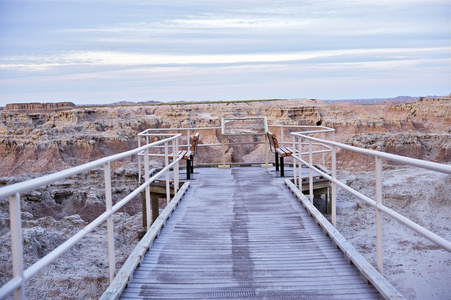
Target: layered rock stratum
[
  {"x": 39, "y": 107},
  {"x": 39, "y": 139}
]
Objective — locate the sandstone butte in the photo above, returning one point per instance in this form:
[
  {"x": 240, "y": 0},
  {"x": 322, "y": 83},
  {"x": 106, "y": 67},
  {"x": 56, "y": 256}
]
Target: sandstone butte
[{"x": 37, "y": 138}]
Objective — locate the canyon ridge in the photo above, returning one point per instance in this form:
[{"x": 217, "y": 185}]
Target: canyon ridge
[{"x": 36, "y": 139}]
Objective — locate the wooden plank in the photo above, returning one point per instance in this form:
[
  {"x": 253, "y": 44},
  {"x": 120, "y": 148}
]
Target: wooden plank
[
  {"x": 184, "y": 154},
  {"x": 292, "y": 150},
  {"x": 273, "y": 139},
  {"x": 244, "y": 236},
  {"x": 194, "y": 142},
  {"x": 283, "y": 152},
  {"x": 287, "y": 151},
  {"x": 378, "y": 280},
  {"x": 125, "y": 273}
]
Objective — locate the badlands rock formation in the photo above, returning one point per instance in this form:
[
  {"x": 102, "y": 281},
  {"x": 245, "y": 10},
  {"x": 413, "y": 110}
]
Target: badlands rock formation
[
  {"x": 33, "y": 142},
  {"x": 42, "y": 139},
  {"x": 39, "y": 107}
]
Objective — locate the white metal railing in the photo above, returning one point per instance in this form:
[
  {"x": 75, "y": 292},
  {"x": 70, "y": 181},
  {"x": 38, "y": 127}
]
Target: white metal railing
[
  {"x": 300, "y": 140},
  {"x": 20, "y": 276},
  {"x": 145, "y": 137},
  {"x": 324, "y": 132}
]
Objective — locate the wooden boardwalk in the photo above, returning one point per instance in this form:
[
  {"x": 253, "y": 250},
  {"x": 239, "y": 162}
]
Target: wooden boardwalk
[{"x": 241, "y": 234}]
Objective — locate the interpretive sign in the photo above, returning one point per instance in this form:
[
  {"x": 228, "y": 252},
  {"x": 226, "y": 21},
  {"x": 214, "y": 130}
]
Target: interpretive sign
[{"x": 244, "y": 126}]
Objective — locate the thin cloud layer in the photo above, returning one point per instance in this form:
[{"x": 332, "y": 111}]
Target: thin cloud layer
[{"x": 104, "y": 58}]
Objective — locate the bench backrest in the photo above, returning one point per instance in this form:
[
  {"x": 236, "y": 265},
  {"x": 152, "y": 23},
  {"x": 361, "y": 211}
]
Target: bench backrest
[
  {"x": 194, "y": 141},
  {"x": 273, "y": 143}
]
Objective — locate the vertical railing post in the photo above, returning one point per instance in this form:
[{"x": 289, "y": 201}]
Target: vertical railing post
[
  {"x": 266, "y": 165},
  {"x": 266, "y": 151},
  {"x": 294, "y": 161},
  {"x": 166, "y": 163},
  {"x": 223, "y": 151},
  {"x": 222, "y": 142},
  {"x": 323, "y": 154},
  {"x": 146, "y": 180},
  {"x": 139, "y": 160},
  {"x": 334, "y": 187},
  {"x": 379, "y": 248},
  {"x": 16, "y": 243},
  {"x": 175, "y": 150},
  {"x": 300, "y": 162},
  {"x": 281, "y": 134},
  {"x": 188, "y": 135},
  {"x": 109, "y": 221},
  {"x": 310, "y": 158}
]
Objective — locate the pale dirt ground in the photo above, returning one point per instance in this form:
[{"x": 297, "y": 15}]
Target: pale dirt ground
[
  {"x": 415, "y": 266},
  {"x": 80, "y": 273}
]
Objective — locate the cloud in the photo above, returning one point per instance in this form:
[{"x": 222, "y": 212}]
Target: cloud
[{"x": 113, "y": 58}]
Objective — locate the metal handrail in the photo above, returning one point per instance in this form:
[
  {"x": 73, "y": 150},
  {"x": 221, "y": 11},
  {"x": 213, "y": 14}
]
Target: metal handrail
[
  {"x": 377, "y": 204},
  {"x": 20, "y": 276},
  {"x": 143, "y": 136}
]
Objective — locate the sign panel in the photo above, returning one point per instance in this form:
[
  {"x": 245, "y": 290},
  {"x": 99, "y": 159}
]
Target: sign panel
[{"x": 244, "y": 126}]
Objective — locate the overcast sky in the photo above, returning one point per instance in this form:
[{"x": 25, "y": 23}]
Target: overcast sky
[{"x": 107, "y": 51}]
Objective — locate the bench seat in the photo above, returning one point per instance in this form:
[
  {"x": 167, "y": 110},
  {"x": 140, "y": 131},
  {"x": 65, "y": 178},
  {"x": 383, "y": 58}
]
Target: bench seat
[
  {"x": 185, "y": 154},
  {"x": 279, "y": 152},
  {"x": 285, "y": 151},
  {"x": 189, "y": 154}
]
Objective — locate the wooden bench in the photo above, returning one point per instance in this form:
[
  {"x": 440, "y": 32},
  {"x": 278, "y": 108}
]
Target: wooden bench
[
  {"x": 189, "y": 154},
  {"x": 279, "y": 152}
]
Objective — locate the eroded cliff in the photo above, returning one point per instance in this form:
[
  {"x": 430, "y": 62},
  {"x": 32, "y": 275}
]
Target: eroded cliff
[{"x": 49, "y": 141}]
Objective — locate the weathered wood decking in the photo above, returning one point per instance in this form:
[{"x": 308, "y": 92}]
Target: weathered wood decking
[{"x": 241, "y": 234}]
